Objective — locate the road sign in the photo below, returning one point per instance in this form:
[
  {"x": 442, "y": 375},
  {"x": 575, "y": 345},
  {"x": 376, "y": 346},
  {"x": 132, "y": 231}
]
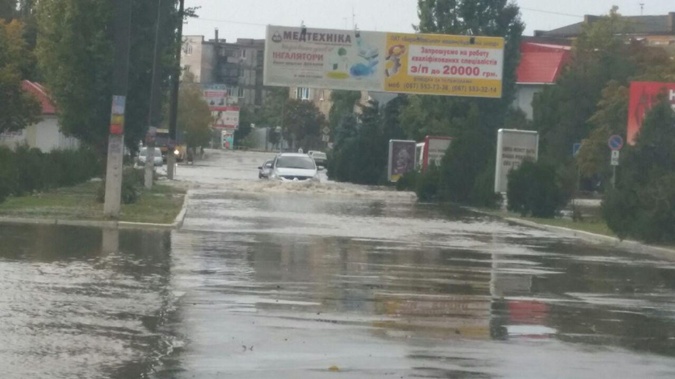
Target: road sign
[
  {"x": 326, "y": 130},
  {"x": 325, "y": 138},
  {"x": 615, "y": 158},
  {"x": 615, "y": 142},
  {"x": 575, "y": 149}
]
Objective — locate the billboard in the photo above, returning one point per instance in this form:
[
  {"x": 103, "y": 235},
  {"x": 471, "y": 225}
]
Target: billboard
[
  {"x": 227, "y": 140},
  {"x": 217, "y": 96},
  {"x": 401, "y": 158},
  {"x": 513, "y": 147},
  {"x": 433, "y": 64},
  {"x": 434, "y": 150},
  {"x": 226, "y": 117},
  {"x": 643, "y": 95}
]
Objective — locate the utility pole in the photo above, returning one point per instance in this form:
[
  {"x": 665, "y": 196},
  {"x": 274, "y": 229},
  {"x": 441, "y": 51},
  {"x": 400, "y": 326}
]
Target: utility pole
[
  {"x": 113, "y": 182},
  {"x": 152, "y": 108},
  {"x": 175, "y": 83}
]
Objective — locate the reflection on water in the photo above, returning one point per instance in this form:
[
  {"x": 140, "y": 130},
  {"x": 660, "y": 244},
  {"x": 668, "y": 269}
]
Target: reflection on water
[
  {"x": 288, "y": 286},
  {"x": 81, "y": 302}
]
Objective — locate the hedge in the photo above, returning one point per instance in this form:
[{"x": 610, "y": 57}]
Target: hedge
[{"x": 29, "y": 170}]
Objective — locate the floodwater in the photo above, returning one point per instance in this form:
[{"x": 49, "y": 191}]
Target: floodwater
[{"x": 271, "y": 280}]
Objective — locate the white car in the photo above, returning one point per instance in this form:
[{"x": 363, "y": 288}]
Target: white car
[
  {"x": 318, "y": 156},
  {"x": 293, "y": 167},
  {"x": 143, "y": 156}
]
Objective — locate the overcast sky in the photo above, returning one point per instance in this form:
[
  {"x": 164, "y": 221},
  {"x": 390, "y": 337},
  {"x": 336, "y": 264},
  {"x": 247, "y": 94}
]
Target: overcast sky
[{"x": 247, "y": 18}]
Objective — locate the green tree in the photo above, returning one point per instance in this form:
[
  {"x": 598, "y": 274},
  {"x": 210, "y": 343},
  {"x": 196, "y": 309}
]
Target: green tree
[
  {"x": 18, "y": 108},
  {"x": 7, "y": 9},
  {"x": 194, "y": 116},
  {"x": 643, "y": 204},
  {"x": 75, "y": 55},
  {"x": 563, "y": 113},
  {"x": 302, "y": 124},
  {"x": 272, "y": 111},
  {"x": 343, "y": 103},
  {"x": 74, "y": 50},
  {"x": 360, "y": 151},
  {"x": 610, "y": 117}
]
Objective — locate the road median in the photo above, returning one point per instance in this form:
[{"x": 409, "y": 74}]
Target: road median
[{"x": 163, "y": 207}]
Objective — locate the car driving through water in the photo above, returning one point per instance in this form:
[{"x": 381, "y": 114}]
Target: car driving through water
[
  {"x": 265, "y": 170},
  {"x": 289, "y": 167}
]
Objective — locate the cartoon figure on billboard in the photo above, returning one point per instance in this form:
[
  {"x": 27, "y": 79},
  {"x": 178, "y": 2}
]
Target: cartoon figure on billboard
[{"x": 394, "y": 60}]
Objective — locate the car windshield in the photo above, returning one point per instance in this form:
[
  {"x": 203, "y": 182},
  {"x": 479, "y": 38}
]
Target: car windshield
[
  {"x": 268, "y": 164},
  {"x": 144, "y": 152},
  {"x": 303, "y": 162}
]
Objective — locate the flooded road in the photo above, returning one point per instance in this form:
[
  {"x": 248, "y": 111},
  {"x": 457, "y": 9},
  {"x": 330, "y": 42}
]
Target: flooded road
[{"x": 327, "y": 280}]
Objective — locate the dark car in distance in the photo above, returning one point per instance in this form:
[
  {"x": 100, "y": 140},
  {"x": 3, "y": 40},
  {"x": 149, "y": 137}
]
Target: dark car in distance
[{"x": 265, "y": 170}]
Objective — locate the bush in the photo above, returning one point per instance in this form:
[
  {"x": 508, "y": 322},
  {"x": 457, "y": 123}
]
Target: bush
[
  {"x": 408, "y": 182},
  {"x": 426, "y": 187},
  {"x": 533, "y": 189},
  {"x": 483, "y": 193},
  {"x": 643, "y": 204},
  {"x": 133, "y": 179},
  {"x": 28, "y": 170}
]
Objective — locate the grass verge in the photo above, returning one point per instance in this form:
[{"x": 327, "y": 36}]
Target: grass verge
[
  {"x": 590, "y": 225},
  {"x": 160, "y": 205}
]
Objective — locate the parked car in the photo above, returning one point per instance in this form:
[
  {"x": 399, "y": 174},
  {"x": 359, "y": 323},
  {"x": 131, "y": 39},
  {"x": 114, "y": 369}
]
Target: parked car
[
  {"x": 318, "y": 156},
  {"x": 143, "y": 156},
  {"x": 294, "y": 167},
  {"x": 265, "y": 170}
]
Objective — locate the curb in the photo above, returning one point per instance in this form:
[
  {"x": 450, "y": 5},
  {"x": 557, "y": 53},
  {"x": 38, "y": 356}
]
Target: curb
[
  {"x": 636, "y": 246},
  {"x": 112, "y": 224},
  {"x": 178, "y": 222}
]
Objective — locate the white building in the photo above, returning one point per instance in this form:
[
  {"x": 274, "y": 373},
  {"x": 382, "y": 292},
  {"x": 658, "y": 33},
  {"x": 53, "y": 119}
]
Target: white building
[{"x": 46, "y": 134}]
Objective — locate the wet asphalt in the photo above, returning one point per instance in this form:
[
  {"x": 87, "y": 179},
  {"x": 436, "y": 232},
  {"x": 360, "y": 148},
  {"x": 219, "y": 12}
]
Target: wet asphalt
[{"x": 286, "y": 280}]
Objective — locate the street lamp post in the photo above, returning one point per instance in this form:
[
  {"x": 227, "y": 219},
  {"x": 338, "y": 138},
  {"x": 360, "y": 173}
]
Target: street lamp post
[
  {"x": 113, "y": 185},
  {"x": 175, "y": 83},
  {"x": 150, "y": 142}
]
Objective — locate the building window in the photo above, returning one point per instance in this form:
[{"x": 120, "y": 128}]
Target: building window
[
  {"x": 302, "y": 93},
  {"x": 187, "y": 49},
  {"x": 240, "y": 92},
  {"x": 243, "y": 53}
]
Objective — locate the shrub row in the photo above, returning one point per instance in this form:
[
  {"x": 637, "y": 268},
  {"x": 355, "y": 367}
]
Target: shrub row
[{"x": 25, "y": 170}]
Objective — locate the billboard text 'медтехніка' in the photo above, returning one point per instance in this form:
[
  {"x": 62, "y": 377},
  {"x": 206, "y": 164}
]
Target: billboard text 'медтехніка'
[{"x": 433, "y": 64}]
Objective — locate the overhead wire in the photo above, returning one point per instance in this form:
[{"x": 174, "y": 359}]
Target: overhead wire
[{"x": 262, "y": 24}]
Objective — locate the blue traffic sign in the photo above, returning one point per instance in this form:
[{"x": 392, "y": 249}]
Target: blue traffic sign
[
  {"x": 575, "y": 149},
  {"x": 615, "y": 142}
]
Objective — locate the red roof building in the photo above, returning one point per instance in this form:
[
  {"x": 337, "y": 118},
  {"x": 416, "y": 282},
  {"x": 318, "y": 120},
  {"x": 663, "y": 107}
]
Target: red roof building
[
  {"x": 540, "y": 65},
  {"x": 40, "y": 93}
]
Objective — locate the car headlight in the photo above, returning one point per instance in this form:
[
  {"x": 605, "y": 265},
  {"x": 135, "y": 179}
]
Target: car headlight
[{"x": 176, "y": 152}]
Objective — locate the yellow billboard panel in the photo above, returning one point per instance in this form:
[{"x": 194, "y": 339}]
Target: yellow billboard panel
[{"x": 444, "y": 65}]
